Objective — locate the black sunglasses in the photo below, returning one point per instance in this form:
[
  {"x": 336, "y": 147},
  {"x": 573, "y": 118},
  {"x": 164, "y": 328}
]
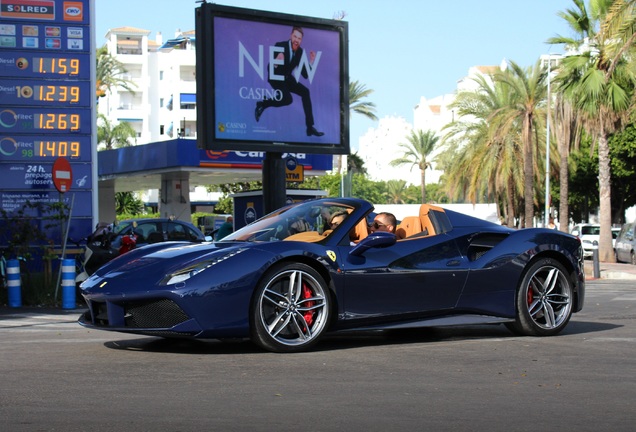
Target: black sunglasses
[{"x": 377, "y": 225}]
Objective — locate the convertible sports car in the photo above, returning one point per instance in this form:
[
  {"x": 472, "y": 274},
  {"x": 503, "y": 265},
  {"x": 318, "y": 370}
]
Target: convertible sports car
[{"x": 288, "y": 278}]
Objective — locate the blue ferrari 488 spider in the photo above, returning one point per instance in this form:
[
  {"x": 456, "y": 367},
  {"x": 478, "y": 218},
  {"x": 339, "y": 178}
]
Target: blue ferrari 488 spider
[{"x": 290, "y": 277}]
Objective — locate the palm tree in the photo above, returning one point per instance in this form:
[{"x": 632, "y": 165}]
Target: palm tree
[
  {"x": 567, "y": 130},
  {"x": 128, "y": 203},
  {"x": 109, "y": 73},
  {"x": 480, "y": 164},
  {"x": 524, "y": 114},
  {"x": 599, "y": 80},
  {"x": 114, "y": 136},
  {"x": 397, "y": 192},
  {"x": 357, "y": 92},
  {"x": 416, "y": 152},
  {"x": 355, "y": 164}
]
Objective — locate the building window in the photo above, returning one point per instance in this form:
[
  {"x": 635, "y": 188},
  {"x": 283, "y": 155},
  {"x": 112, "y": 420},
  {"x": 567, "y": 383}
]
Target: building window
[
  {"x": 160, "y": 102},
  {"x": 160, "y": 75}
]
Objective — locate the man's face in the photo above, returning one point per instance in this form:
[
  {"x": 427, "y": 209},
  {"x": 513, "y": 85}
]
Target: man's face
[
  {"x": 379, "y": 224},
  {"x": 296, "y": 39}
]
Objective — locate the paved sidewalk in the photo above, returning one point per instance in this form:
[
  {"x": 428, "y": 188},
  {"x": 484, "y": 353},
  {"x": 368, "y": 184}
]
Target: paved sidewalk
[{"x": 610, "y": 270}]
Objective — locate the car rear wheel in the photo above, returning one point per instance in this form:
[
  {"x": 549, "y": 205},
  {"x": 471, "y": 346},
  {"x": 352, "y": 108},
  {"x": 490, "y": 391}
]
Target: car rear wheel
[
  {"x": 544, "y": 299},
  {"x": 290, "y": 310},
  {"x": 633, "y": 258}
]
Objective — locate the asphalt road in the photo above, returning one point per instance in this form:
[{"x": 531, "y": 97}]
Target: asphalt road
[{"x": 58, "y": 376}]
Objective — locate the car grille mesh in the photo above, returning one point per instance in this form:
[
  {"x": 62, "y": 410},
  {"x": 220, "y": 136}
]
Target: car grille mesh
[
  {"x": 155, "y": 314},
  {"x": 149, "y": 314}
]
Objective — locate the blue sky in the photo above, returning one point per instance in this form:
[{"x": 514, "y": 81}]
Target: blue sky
[{"x": 402, "y": 49}]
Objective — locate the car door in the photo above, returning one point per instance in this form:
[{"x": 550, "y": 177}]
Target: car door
[
  {"x": 624, "y": 241},
  {"x": 411, "y": 277}
]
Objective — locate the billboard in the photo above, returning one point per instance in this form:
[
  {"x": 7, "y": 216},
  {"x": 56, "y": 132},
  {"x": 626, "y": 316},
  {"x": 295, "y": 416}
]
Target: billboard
[{"x": 271, "y": 82}]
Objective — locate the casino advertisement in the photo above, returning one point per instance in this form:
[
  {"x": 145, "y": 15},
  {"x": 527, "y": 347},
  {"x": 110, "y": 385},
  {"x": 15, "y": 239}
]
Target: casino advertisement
[
  {"x": 275, "y": 81},
  {"x": 46, "y": 100}
]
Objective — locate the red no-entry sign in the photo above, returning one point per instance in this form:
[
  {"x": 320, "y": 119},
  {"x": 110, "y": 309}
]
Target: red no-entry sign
[{"x": 62, "y": 175}]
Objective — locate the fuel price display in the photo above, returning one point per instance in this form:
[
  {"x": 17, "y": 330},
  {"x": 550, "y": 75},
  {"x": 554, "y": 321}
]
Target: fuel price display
[
  {"x": 40, "y": 65},
  {"x": 30, "y": 120},
  {"x": 56, "y": 93},
  {"x": 27, "y": 148},
  {"x": 47, "y": 98}
]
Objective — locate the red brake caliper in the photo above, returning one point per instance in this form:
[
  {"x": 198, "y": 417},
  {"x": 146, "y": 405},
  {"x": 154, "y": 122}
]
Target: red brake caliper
[
  {"x": 530, "y": 295},
  {"x": 309, "y": 315}
]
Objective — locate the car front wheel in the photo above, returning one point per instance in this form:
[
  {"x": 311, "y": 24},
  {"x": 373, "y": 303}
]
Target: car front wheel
[
  {"x": 544, "y": 299},
  {"x": 290, "y": 309}
]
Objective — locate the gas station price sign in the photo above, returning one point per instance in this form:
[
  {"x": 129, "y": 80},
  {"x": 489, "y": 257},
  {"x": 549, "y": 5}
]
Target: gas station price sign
[
  {"x": 31, "y": 148},
  {"x": 43, "y": 120},
  {"x": 37, "y": 65},
  {"x": 47, "y": 98},
  {"x": 49, "y": 93}
]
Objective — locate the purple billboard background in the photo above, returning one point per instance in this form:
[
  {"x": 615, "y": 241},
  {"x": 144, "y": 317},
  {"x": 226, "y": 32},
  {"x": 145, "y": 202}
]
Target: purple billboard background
[{"x": 236, "y": 93}]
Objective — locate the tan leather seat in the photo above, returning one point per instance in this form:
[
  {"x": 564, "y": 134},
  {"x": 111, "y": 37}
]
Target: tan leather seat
[
  {"x": 359, "y": 232},
  {"x": 409, "y": 226},
  {"x": 429, "y": 219}
]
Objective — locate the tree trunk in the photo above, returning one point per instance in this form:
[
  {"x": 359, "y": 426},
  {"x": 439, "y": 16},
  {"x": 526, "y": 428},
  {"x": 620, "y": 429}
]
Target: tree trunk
[
  {"x": 510, "y": 202},
  {"x": 423, "y": 176},
  {"x": 606, "y": 251},
  {"x": 564, "y": 208},
  {"x": 528, "y": 172}
]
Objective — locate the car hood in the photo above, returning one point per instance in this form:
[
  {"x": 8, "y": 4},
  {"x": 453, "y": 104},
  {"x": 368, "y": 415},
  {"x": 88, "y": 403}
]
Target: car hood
[{"x": 151, "y": 264}]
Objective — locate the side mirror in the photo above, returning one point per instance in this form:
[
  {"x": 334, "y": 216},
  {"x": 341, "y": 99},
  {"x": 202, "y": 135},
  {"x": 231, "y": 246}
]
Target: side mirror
[
  {"x": 377, "y": 239},
  {"x": 575, "y": 232}
]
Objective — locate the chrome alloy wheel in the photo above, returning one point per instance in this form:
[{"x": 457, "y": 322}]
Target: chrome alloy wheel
[
  {"x": 544, "y": 299},
  {"x": 292, "y": 309}
]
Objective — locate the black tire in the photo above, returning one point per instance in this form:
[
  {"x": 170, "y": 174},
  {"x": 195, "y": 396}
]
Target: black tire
[
  {"x": 544, "y": 299},
  {"x": 290, "y": 309}
]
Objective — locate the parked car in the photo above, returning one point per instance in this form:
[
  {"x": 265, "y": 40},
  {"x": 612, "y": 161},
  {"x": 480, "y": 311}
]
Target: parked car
[
  {"x": 155, "y": 230},
  {"x": 285, "y": 284},
  {"x": 589, "y": 235},
  {"x": 626, "y": 244}
]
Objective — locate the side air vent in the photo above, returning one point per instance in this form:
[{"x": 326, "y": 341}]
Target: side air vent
[{"x": 481, "y": 244}]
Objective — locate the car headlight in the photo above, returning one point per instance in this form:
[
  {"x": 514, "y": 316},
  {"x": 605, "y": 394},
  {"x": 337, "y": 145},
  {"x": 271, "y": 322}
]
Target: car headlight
[{"x": 186, "y": 273}]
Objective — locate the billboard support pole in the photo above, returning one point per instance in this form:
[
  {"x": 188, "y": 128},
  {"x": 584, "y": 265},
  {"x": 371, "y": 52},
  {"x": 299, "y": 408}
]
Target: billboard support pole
[{"x": 273, "y": 182}]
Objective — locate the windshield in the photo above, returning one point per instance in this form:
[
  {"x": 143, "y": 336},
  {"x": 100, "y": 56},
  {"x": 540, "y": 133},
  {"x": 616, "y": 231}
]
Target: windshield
[
  {"x": 308, "y": 221},
  {"x": 590, "y": 230}
]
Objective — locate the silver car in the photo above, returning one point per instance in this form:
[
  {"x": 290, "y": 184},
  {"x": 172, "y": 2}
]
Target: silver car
[{"x": 625, "y": 244}]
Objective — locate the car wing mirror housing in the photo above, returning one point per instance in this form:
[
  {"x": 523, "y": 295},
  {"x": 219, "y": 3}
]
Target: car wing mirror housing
[{"x": 377, "y": 239}]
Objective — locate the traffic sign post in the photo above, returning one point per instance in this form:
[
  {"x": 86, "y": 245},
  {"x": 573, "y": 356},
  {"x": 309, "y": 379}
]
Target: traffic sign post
[{"x": 62, "y": 175}]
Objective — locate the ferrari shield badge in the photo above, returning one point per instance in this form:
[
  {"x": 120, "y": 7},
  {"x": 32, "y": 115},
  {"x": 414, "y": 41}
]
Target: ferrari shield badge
[{"x": 332, "y": 255}]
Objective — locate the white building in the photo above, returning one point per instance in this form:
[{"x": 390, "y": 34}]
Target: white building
[
  {"x": 380, "y": 145},
  {"x": 162, "y": 104}
]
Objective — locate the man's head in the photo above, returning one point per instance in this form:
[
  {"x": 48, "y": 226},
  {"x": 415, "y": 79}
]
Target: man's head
[
  {"x": 384, "y": 221},
  {"x": 296, "y": 37}
]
